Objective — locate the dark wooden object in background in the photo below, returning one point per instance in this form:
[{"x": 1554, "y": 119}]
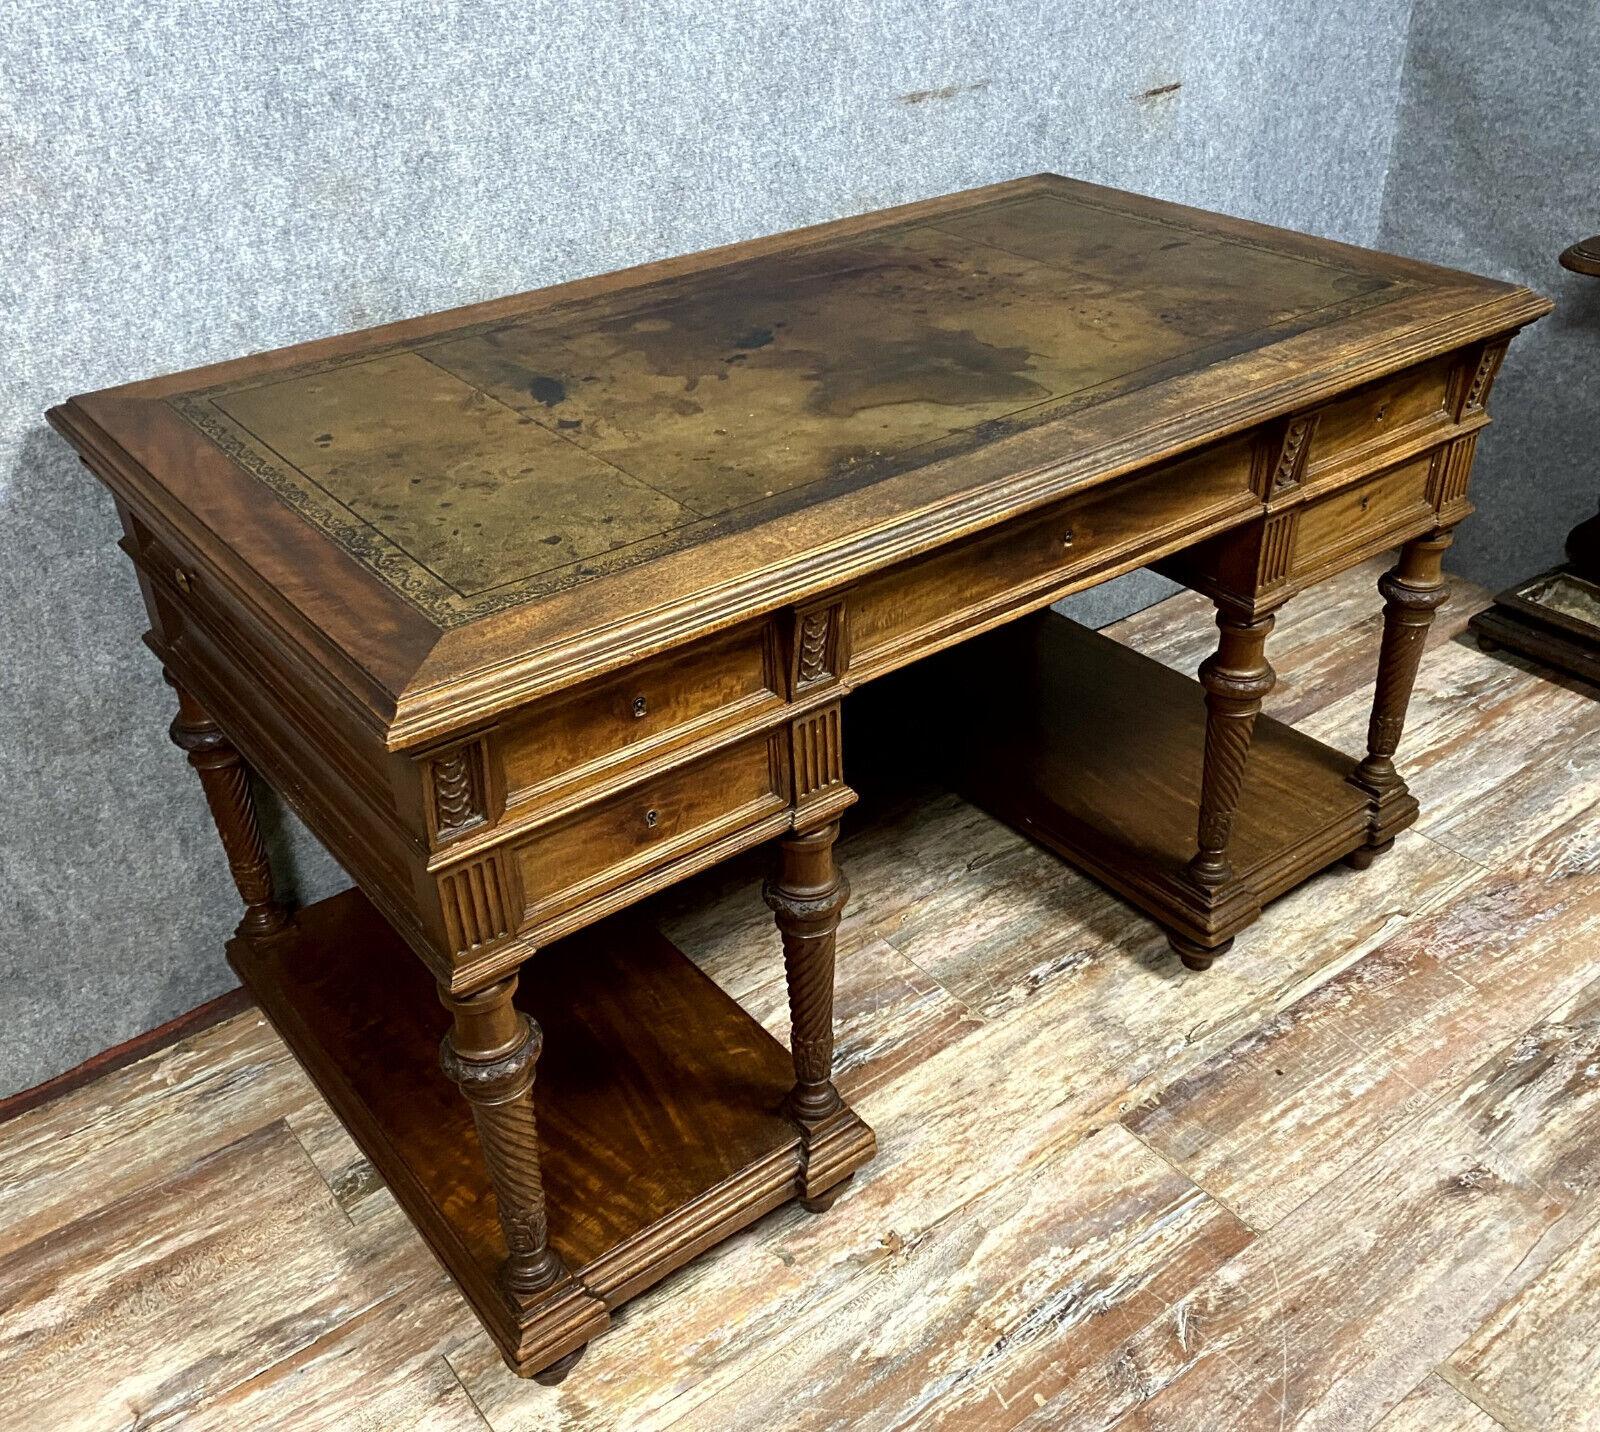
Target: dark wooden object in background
[
  {"x": 1554, "y": 618},
  {"x": 537, "y": 607}
]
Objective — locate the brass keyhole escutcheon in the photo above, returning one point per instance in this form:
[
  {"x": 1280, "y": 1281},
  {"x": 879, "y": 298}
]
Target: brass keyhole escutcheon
[
  {"x": 1366, "y": 500},
  {"x": 640, "y": 706},
  {"x": 183, "y": 581},
  {"x": 1066, "y": 540},
  {"x": 651, "y": 819}
]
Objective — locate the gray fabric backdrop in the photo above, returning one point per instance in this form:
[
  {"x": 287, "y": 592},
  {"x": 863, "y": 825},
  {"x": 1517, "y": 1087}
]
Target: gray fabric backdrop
[
  {"x": 1496, "y": 168},
  {"x": 182, "y": 182}
]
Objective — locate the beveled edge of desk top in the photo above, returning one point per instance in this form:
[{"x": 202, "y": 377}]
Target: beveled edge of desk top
[{"x": 417, "y": 683}]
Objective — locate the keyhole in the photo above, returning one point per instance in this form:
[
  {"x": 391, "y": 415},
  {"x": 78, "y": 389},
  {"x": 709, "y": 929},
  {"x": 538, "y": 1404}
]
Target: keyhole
[
  {"x": 640, "y": 706},
  {"x": 651, "y": 818},
  {"x": 1066, "y": 540}
]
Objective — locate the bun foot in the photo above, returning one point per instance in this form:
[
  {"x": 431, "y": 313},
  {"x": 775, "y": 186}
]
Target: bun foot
[
  {"x": 825, "y": 1200},
  {"x": 550, "y": 1376},
  {"x": 1196, "y": 957},
  {"x": 1363, "y": 856}
]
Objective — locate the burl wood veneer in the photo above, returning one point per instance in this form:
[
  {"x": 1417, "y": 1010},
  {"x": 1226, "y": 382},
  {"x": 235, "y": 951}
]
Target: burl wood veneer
[{"x": 535, "y": 607}]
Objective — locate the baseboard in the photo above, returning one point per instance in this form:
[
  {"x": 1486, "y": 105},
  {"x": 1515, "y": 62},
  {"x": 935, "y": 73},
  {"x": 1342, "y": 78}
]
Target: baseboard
[{"x": 119, "y": 1056}]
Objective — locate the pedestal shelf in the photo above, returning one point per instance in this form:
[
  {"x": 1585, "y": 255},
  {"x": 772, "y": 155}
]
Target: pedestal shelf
[
  {"x": 1095, "y": 751},
  {"x": 659, "y": 1102}
]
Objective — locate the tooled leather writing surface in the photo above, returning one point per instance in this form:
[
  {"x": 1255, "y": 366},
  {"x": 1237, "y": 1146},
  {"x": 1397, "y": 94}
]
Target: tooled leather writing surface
[{"x": 478, "y": 468}]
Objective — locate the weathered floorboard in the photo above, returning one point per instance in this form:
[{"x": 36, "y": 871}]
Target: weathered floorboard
[
  {"x": 1327, "y": 1319},
  {"x": 150, "y": 1305},
  {"x": 1266, "y": 1123},
  {"x": 1435, "y": 1406},
  {"x": 1536, "y": 1362},
  {"x": 143, "y": 1122},
  {"x": 382, "y": 1370},
  {"x": 1022, "y": 1294}
]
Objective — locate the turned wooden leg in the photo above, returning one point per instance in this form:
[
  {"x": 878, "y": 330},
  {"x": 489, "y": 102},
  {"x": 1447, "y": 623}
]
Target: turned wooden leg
[
  {"x": 226, "y": 781},
  {"x": 491, "y": 1054},
  {"x": 1236, "y": 678},
  {"x": 1412, "y": 591},
  {"x": 807, "y": 897}
]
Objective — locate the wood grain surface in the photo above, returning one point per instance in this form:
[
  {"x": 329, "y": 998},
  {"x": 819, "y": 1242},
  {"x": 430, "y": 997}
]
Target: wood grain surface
[{"x": 1349, "y": 1179}]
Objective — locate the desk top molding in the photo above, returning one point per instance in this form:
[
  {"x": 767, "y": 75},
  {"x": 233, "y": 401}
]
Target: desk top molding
[{"x": 903, "y": 379}]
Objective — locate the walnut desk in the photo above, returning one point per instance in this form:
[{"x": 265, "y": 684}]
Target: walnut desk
[{"x": 532, "y": 608}]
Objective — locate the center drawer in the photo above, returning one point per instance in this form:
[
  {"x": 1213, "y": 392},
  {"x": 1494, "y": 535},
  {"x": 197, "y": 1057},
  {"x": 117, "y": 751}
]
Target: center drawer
[{"x": 916, "y": 607}]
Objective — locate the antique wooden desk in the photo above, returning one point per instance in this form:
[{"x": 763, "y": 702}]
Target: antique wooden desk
[{"x": 535, "y": 607}]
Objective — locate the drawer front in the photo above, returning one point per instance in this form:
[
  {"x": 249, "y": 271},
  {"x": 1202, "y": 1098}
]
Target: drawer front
[
  {"x": 1359, "y": 429},
  {"x": 905, "y": 612},
  {"x": 1363, "y": 520},
  {"x": 648, "y": 708},
  {"x": 650, "y": 824}
]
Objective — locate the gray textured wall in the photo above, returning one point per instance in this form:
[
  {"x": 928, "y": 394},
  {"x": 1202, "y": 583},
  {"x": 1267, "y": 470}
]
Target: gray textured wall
[
  {"x": 182, "y": 182},
  {"x": 1496, "y": 167}
]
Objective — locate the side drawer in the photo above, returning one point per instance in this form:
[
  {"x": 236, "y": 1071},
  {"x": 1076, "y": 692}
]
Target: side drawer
[
  {"x": 1359, "y": 429},
  {"x": 1362, "y": 520},
  {"x": 906, "y": 612},
  {"x": 649, "y": 825},
  {"x": 647, "y": 708}
]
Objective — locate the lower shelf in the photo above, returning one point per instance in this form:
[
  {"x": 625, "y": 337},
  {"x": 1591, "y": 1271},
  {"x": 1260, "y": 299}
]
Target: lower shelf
[
  {"x": 658, "y": 1101},
  {"x": 1096, "y": 752}
]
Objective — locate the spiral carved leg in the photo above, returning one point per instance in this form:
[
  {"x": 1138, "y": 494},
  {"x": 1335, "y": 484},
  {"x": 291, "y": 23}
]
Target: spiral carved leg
[
  {"x": 491, "y": 1054},
  {"x": 1236, "y": 678},
  {"x": 226, "y": 781},
  {"x": 807, "y": 897},
  {"x": 1412, "y": 590}
]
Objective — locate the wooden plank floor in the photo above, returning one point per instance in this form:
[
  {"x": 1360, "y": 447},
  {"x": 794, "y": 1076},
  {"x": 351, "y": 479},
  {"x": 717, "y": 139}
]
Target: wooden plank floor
[{"x": 1349, "y": 1178}]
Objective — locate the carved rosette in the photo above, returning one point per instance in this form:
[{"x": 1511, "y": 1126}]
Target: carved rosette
[{"x": 458, "y": 790}]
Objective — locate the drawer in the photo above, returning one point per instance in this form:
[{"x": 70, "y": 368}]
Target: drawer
[
  {"x": 189, "y": 613},
  {"x": 651, "y": 824},
  {"x": 1363, "y": 520},
  {"x": 908, "y": 611},
  {"x": 1359, "y": 429},
  {"x": 650, "y": 707},
  {"x": 173, "y": 578}
]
